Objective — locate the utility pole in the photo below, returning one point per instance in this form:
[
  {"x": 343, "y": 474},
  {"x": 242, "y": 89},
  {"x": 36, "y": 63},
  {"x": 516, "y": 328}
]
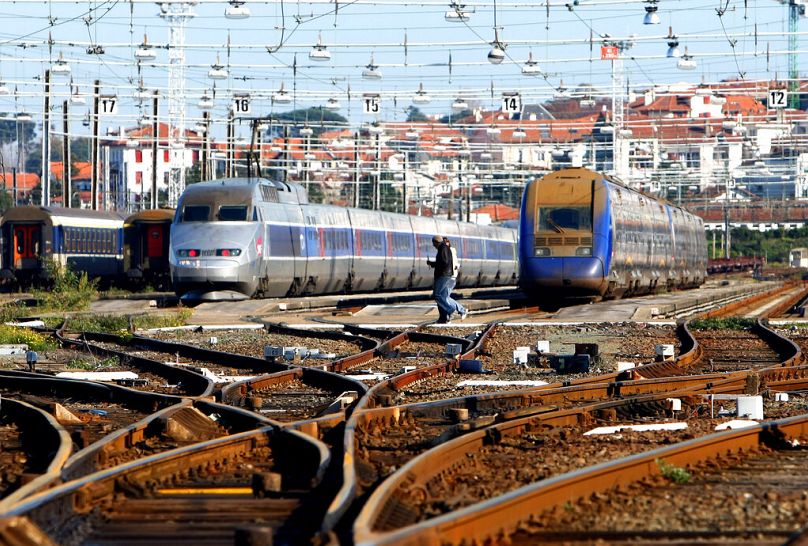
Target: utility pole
[
  {"x": 46, "y": 144},
  {"x": 155, "y": 140},
  {"x": 176, "y": 13},
  {"x": 67, "y": 163},
  {"x": 229, "y": 170},
  {"x": 94, "y": 152},
  {"x": 356, "y": 170},
  {"x": 205, "y": 144}
]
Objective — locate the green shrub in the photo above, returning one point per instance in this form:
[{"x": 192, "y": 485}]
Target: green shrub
[
  {"x": 69, "y": 291},
  {"x": 92, "y": 365},
  {"x": 168, "y": 320},
  {"x": 674, "y": 473},
  {"x": 725, "y": 323},
  {"x": 111, "y": 324},
  {"x": 17, "y": 336}
]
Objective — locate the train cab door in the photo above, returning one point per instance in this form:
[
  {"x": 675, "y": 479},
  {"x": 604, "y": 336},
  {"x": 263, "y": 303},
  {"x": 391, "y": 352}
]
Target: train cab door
[
  {"x": 155, "y": 238},
  {"x": 154, "y": 247},
  {"x": 26, "y": 245}
]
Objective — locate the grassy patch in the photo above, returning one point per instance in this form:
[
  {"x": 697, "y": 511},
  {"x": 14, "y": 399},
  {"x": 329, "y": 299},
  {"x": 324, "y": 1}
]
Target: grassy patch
[
  {"x": 725, "y": 323},
  {"x": 13, "y": 335},
  {"x": 111, "y": 324},
  {"x": 92, "y": 365},
  {"x": 69, "y": 291},
  {"x": 676, "y": 474},
  {"x": 168, "y": 320},
  {"x": 119, "y": 324}
]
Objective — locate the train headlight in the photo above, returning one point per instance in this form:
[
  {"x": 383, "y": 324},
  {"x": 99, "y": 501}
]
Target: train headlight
[
  {"x": 188, "y": 253},
  {"x": 228, "y": 252},
  {"x": 583, "y": 251},
  {"x": 542, "y": 251}
]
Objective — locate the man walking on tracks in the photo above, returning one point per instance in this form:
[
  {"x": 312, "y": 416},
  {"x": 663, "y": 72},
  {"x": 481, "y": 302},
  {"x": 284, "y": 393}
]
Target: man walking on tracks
[{"x": 442, "y": 287}]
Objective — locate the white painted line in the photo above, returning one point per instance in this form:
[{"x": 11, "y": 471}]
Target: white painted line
[
  {"x": 637, "y": 428},
  {"x": 497, "y": 383},
  {"x": 213, "y": 327},
  {"x": 98, "y": 376}
]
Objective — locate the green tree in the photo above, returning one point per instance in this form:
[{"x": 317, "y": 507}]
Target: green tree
[
  {"x": 11, "y": 128},
  {"x": 414, "y": 115},
  {"x": 317, "y": 117},
  {"x": 450, "y": 118},
  {"x": 316, "y": 194}
]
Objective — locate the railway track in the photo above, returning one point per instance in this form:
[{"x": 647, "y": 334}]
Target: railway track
[
  {"x": 173, "y": 463},
  {"x": 460, "y": 495}
]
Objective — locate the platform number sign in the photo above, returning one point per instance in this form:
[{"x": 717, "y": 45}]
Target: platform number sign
[
  {"x": 778, "y": 98},
  {"x": 108, "y": 105},
  {"x": 511, "y": 103},
  {"x": 371, "y": 104},
  {"x": 241, "y": 104}
]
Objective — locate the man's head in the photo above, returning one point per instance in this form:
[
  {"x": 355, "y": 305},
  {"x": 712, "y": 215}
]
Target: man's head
[{"x": 437, "y": 240}]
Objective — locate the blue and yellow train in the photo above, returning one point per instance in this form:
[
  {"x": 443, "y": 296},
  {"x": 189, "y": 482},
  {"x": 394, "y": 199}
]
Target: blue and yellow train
[{"x": 584, "y": 234}]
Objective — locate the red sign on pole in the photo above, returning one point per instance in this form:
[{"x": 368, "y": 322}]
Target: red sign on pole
[{"x": 609, "y": 53}]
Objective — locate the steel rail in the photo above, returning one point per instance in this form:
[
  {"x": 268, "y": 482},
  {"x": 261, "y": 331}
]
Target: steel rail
[
  {"x": 727, "y": 310},
  {"x": 93, "y": 457},
  {"x": 45, "y": 435},
  {"x": 494, "y": 520},
  {"x": 200, "y": 386},
  {"x": 68, "y": 504},
  {"x": 349, "y": 489}
]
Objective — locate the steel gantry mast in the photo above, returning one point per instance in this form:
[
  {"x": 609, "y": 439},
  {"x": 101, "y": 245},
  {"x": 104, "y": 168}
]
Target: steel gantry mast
[
  {"x": 795, "y": 9},
  {"x": 177, "y": 13}
]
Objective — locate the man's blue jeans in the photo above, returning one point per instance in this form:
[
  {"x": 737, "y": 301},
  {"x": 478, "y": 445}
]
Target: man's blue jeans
[{"x": 443, "y": 297}]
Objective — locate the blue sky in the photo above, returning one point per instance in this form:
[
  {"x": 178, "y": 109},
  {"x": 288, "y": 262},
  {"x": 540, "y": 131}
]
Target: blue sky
[{"x": 352, "y": 31}]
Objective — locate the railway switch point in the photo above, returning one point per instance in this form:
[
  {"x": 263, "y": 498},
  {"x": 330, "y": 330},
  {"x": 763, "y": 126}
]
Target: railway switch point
[
  {"x": 458, "y": 415},
  {"x": 266, "y": 482},
  {"x": 750, "y": 407}
]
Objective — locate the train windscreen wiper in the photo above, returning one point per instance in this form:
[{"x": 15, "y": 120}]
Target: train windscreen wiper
[{"x": 555, "y": 226}]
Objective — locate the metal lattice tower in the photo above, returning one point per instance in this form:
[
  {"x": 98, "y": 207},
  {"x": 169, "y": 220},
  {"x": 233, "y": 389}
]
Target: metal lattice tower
[
  {"x": 794, "y": 9},
  {"x": 618, "y": 115},
  {"x": 176, "y": 13}
]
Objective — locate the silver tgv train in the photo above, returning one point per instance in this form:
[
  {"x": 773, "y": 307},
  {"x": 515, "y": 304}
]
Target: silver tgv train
[{"x": 243, "y": 237}]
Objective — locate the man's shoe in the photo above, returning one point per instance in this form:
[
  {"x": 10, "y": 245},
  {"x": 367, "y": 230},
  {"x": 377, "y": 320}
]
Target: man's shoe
[{"x": 463, "y": 315}]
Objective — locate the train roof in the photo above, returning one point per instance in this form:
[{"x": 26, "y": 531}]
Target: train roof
[
  {"x": 154, "y": 215},
  {"x": 618, "y": 182},
  {"x": 33, "y": 212},
  {"x": 243, "y": 188}
]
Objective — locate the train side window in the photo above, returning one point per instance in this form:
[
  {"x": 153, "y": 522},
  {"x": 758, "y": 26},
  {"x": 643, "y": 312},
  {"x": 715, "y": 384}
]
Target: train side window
[{"x": 196, "y": 213}]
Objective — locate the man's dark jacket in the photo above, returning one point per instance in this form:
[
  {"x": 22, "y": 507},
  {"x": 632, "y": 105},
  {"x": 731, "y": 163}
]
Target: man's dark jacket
[{"x": 443, "y": 261}]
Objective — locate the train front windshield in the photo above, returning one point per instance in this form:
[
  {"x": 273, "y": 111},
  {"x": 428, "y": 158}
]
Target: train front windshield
[{"x": 563, "y": 218}]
